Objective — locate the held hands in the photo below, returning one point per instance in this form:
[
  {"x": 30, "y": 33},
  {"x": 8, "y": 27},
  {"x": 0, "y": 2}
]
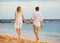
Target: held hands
[{"x": 27, "y": 22}]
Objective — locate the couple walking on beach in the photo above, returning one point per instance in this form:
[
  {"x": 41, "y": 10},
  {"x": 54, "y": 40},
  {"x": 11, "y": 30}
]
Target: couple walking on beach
[{"x": 36, "y": 17}]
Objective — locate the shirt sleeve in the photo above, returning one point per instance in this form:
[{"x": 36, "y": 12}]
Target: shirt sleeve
[{"x": 41, "y": 17}]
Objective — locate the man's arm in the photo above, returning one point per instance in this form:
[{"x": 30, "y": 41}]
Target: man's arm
[
  {"x": 25, "y": 20},
  {"x": 32, "y": 17},
  {"x": 31, "y": 20},
  {"x": 41, "y": 21}
]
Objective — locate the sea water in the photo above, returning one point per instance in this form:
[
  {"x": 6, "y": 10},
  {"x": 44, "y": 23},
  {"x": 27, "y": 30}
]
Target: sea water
[{"x": 50, "y": 30}]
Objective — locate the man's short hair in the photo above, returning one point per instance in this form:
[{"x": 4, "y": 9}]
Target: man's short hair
[{"x": 37, "y": 8}]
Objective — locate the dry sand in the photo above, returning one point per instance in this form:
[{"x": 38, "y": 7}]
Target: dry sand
[{"x": 11, "y": 39}]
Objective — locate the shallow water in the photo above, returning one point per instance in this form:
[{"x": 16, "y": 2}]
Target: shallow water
[
  {"x": 50, "y": 30},
  {"x": 48, "y": 27}
]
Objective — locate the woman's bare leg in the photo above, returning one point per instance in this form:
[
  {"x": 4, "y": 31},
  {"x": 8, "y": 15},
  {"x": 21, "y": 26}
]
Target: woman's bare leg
[{"x": 18, "y": 32}]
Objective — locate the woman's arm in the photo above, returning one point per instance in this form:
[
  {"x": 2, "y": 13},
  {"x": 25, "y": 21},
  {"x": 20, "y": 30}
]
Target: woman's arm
[
  {"x": 23, "y": 18},
  {"x": 15, "y": 18}
]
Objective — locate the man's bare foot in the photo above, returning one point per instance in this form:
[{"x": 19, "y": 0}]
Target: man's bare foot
[
  {"x": 38, "y": 41},
  {"x": 19, "y": 38}
]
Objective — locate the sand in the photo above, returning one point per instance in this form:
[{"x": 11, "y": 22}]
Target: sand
[{"x": 12, "y": 39}]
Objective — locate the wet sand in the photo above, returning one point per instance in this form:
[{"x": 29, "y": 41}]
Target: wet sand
[{"x": 12, "y": 39}]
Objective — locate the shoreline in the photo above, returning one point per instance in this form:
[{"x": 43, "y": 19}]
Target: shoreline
[
  {"x": 11, "y": 39},
  {"x": 12, "y": 20}
]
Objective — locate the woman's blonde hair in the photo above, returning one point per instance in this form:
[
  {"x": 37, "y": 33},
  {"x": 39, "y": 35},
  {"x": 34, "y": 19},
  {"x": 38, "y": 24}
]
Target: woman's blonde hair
[{"x": 19, "y": 9}]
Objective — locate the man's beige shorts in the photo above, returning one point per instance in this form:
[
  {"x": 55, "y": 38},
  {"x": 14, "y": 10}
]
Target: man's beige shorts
[{"x": 36, "y": 28}]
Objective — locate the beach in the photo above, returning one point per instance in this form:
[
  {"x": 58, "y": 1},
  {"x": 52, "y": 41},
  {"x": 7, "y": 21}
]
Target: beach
[
  {"x": 50, "y": 34},
  {"x": 47, "y": 9},
  {"x": 11, "y": 39}
]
